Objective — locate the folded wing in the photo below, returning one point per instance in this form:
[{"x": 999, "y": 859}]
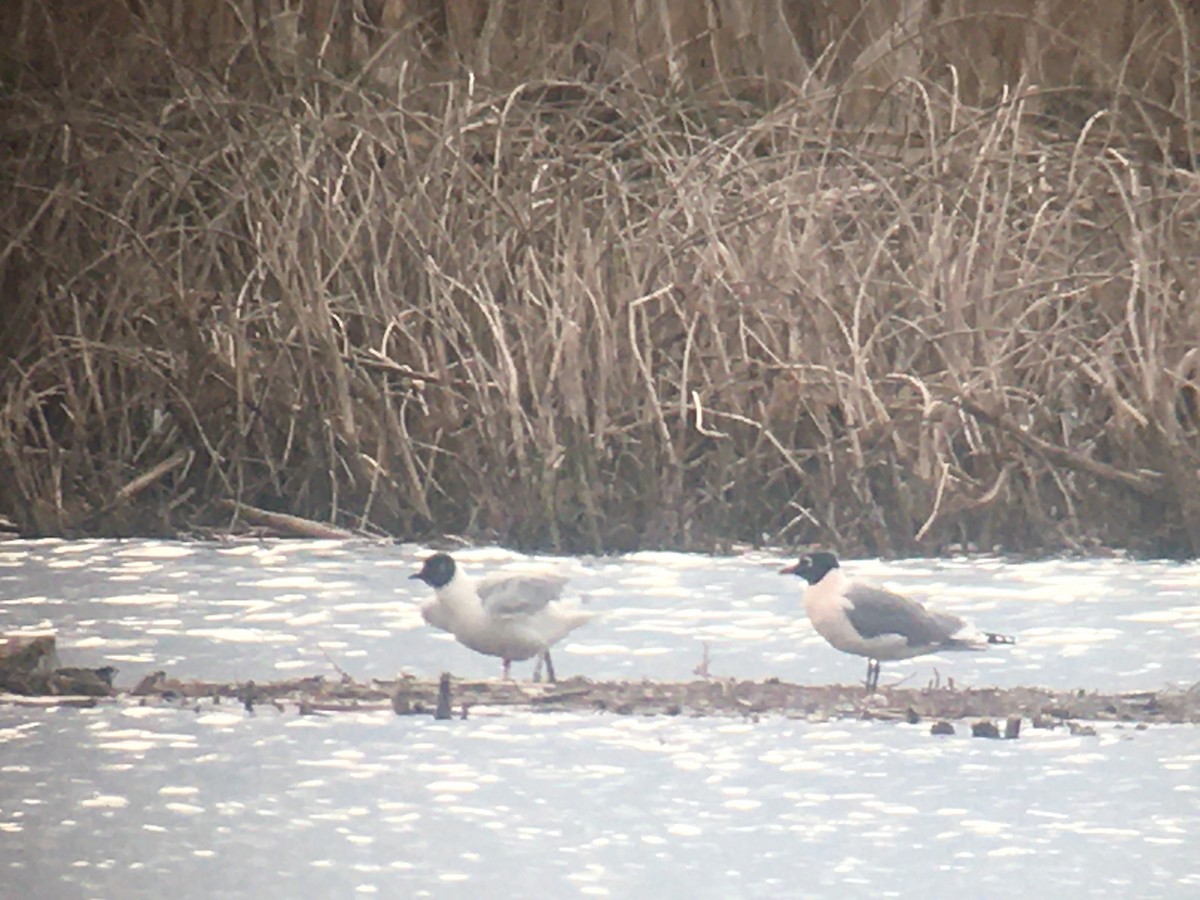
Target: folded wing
[
  {"x": 875, "y": 612},
  {"x": 519, "y": 595}
]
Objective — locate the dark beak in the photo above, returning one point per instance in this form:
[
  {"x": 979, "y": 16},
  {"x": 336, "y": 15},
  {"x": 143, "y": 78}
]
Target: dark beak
[
  {"x": 789, "y": 570},
  {"x": 418, "y": 575}
]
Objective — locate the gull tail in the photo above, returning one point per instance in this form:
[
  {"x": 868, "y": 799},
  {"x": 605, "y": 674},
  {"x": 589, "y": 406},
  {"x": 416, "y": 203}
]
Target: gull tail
[{"x": 973, "y": 639}]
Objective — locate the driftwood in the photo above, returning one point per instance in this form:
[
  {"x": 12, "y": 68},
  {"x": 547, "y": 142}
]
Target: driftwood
[
  {"x": 285, "y": 524},
  {"x": 448, "y": 697},
  {"x": 29, "y": 668}
]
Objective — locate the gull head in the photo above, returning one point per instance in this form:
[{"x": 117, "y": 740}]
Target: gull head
[
  {"x": 438, "y": 570},
  {"x": 813, "y": 567}
]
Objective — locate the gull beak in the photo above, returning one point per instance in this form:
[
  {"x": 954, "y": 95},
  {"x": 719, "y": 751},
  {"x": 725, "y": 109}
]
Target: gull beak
[{"x": 789, "y": 570}]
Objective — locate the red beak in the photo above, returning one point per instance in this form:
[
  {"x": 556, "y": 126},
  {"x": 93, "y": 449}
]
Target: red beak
[{"x": 789, "y": 570}]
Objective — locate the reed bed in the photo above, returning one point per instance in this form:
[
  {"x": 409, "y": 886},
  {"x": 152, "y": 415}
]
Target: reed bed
[{"x": 590, "y": 317}]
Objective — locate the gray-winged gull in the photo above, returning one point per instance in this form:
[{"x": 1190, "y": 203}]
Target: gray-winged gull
[{"x": 875, "y": 623}]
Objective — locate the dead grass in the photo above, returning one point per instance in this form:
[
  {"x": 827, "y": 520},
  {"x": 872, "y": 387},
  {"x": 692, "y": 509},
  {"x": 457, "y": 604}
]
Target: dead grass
[{"x": 587, "y": 316}]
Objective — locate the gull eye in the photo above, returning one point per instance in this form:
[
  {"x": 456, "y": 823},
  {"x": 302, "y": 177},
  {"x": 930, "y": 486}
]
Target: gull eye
[{"x": 806, "y": 560}]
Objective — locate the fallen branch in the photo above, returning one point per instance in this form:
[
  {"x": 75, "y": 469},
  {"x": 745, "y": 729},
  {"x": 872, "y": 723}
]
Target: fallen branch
[
  {"x": 143, "y": 481},
  {"x": 294, "y": 525},
  {"x": 1146, "y": 482},
  {"x": 715, "y": 697}
]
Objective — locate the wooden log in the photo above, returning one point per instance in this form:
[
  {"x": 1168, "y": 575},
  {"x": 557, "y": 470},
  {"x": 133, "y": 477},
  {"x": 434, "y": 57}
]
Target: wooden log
[
  {"x": 288, "y": 524},
  {"x": 718, "y": 697},
  {"x": 443, "y": 697}
]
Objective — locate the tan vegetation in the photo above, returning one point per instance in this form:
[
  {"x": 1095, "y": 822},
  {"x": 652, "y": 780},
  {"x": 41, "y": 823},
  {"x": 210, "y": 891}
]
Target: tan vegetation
[{"x": 618, "y": 309}]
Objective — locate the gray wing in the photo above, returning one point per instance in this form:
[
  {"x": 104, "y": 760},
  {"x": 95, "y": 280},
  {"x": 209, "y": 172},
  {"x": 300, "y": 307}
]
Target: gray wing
[
  {"x": 948, "y": 622},
  {"x": 519, "y": 595},
  {"x": 876, "y": 612}
]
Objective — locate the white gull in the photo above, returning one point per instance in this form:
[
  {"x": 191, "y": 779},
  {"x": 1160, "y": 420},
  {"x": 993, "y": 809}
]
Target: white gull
[{"x": 514, "y": 616}]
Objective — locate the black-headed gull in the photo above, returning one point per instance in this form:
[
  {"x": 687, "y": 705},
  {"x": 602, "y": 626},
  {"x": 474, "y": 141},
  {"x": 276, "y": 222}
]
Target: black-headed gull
[
  {"x": 875, "y": 623},
  {"x": 514, "y": 616}
]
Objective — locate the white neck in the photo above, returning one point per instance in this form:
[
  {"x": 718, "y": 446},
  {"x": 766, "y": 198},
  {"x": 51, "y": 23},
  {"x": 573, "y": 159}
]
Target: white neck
[
  {"x": 455, "y": 604},
  {"x": 826, "y": 593}
]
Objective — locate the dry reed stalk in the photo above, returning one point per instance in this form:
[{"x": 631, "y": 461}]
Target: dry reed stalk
[{"x": 588, "y": 316}]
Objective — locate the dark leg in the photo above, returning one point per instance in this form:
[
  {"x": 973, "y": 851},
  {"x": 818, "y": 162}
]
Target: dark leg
[
  {"x": 873, "y": 668},
  {"x": 549, "y": 668},
  {"x": 507, "y": 663}
]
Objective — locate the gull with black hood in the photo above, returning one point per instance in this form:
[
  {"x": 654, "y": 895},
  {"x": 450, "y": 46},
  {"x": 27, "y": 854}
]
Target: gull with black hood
[
  {"x": 514, "y": 616},
  {"x": 876, "y": 623}
]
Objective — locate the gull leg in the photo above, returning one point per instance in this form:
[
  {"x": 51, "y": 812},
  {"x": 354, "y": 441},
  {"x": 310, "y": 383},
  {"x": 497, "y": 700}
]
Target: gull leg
[
  {"x": 873, "y": 667},
  {"x": 507, "y": 663},
  {"x": 537, "y": 670},
  {"x": 549, "y": 667}
]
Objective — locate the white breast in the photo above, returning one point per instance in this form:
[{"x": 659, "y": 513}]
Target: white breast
[{"x": 825, "y": 605}]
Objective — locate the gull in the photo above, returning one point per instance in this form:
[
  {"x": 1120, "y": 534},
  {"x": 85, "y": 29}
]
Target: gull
[
  {"x": 875, "y": 623},
  {"x": 512, "y": 616}
]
